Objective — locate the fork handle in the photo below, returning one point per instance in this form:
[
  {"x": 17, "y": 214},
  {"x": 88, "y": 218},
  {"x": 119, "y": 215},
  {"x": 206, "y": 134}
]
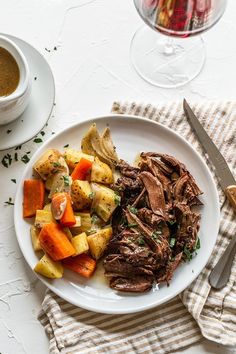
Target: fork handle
[
  {"x": 221, "y": 272},
  {"x": 231, "y": 195}
]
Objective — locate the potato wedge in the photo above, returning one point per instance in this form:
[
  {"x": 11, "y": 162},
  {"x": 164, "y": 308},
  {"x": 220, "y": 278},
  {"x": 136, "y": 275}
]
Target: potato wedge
[
  {"x": 72, "y": 157},
  {"x": 43, "y": 217},
  {"x": 99, "y": 241},
  {"x": 81, "y": 194},
  {"x": 101, "y": 172},
  {"x": 48, "y": 268},
  {"x": 86, "y": 222},
  {"x": 105, "y": 201},
  {"x": 48, "y": 163},
  {"x": 80, "y": 243},
  {"x": 34, "y": 233}
]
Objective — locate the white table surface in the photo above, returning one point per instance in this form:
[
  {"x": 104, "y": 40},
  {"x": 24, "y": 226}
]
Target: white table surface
[{"x": 92, "y": 69}]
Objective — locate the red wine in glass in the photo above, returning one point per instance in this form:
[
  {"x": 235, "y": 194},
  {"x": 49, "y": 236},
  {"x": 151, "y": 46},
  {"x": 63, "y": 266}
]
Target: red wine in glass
[
  {"x": 172, "y": 55},
  {"x": 180, "y": 18}
]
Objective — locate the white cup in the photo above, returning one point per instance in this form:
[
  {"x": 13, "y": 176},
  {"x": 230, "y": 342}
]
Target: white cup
[{"x": 13, "y": 105}]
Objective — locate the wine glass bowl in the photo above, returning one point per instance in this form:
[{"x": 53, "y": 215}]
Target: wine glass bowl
[{"x": 169, "y": 56}]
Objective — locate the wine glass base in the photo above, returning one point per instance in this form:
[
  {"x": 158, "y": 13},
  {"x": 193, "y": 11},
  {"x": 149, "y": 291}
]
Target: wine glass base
[{"x": 166, "y": 61}]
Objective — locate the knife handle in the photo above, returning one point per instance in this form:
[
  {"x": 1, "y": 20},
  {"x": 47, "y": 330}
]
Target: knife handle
[{"x": 231, "y": 195}]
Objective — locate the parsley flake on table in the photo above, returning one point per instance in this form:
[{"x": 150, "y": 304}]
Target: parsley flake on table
[
  {"x": 38, "y": 140},
  {"x": 9, "y": 202},
  {"x": 13, "y": 180},
  {"x": 25, "y": 158},
  {"x": 6, "y": 160},
  {"x": 9, "y": 131},
  {"x": 66, "y": 146}
]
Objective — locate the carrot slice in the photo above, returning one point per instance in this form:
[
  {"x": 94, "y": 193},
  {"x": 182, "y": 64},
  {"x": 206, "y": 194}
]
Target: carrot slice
[
  {"x": 62, "y": 209},
  {"x": 33, "y": 197},
  {"x": 55, "y": 242},
  {"x": 68, "y": 218},
  {"x": 82, "y": 264},
  {"x": 81, "y": 170}
]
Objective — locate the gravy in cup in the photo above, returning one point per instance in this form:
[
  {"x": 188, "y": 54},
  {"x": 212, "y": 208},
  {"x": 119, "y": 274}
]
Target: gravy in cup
[
  {"x": 15, "y": 81},
  {"x": 9, "y": 73}
]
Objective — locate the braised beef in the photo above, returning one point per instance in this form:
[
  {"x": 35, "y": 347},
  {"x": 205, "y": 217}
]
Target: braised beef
[
  {"x": 154, "y": 228},
  {"x": 136, "y": 284}
]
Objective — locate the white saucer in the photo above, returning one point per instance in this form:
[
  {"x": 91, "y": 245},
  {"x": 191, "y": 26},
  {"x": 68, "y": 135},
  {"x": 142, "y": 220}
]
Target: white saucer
[{"x": 41, "y": 102}]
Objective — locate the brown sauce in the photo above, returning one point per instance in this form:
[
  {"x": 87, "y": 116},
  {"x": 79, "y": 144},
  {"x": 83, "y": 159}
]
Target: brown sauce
[{"x": 9, "y": 73}]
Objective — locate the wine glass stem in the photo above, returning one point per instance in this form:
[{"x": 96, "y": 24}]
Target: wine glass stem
[{"x": 169, "y": 46}]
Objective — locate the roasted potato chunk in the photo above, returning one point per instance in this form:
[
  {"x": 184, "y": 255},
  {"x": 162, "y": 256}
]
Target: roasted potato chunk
[
  {"x": 101, "y": 172},
  {"x": 80, "y": 243},
  {"x": 48, "y": 163},
  {"x": 34, "y": 233},
  {"x": 43, "y": 217},
  {"x": 99, "y": 241},
  {"x": 72, "y": 157},
  {"x": 48, "y": 268},
  {"x": 81, "y": 194},
  {"x": 105, "y": 201}
]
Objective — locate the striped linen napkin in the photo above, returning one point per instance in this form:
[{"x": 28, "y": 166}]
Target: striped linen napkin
[{"x": 199, "y": 311}]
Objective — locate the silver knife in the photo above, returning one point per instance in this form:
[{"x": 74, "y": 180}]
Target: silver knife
[{"x": 220, "y": 273}]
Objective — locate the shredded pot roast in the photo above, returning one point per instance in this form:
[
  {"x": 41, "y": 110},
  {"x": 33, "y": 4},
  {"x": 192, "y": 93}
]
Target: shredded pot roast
[{"x": 154, "y": 228}]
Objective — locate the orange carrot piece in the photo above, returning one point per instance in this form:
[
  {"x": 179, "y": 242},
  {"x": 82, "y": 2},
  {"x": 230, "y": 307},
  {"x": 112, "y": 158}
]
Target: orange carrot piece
[
  {"x": 33, "y": 197},
  {"x": 58, "y": 205},
  {"x": 81, "y": 170},
  {"x": 68, "y": 218},
  {"x": 55, "y": 242},
  {"x": 62, "y": 209},
  {"x": 82, "y": 264}
]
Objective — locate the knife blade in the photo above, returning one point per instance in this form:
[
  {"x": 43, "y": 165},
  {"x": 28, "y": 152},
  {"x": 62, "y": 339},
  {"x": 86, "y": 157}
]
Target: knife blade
[
  {"x": 222, "y": 170},
  {"x": 219, "y": 275}
]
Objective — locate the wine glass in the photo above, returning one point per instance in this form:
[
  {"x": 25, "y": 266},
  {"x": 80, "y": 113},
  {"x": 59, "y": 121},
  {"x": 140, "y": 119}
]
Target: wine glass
[{"x": 172, "y": 54}]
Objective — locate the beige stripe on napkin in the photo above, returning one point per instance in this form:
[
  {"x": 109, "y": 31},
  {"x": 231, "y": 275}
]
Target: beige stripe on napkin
[{"x": 199, "y": 311}]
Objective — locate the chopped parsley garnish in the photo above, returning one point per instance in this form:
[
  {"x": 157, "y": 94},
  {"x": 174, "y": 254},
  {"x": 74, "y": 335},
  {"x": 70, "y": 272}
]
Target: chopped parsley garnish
[
  {"x": 188, "y": 254},
  {"x": 141, "y": 242},
  {"x": 66, "y": 180},
  {"x": 94, "y": 219},
  {"x": 56, "y": 164},
  {"x": 13, "y": 180},
  {"x": 42, "y": 133},
  {"x": 172, "y": 242},
  {"x": 9, "y": 131},
  {"x": 9, "y": 202},
  {"x": 156, "y": 234},
  {"x": 91, "y": 195},
  {"x": 66, "y": 146},
  {"x": 7, "y": 160},
  {"x": 25, "y": 159},
  {"x": 132, "y": 209},
  {"x": 38, "y": 140},
  {"x": 198, "y": 244},
  {"x": 117, "y": 199},
  {"x": 16, "y": 156},
  {"x": 18, "y": 147},
  {"x": 132, "y": 225}
]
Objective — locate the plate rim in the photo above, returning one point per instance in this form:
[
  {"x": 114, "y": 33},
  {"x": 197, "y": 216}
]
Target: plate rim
[
  {"x": 58, "y": 291},
  {"x": 12, "y": 37}
]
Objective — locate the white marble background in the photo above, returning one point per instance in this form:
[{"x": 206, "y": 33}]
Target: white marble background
[{"x": 92, "y": 69}]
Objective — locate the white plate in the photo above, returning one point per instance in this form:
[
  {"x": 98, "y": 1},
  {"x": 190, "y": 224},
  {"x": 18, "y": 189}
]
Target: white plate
[
  {"x": 131, "y": 135},
  {"x": 41, "y": 102}
]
